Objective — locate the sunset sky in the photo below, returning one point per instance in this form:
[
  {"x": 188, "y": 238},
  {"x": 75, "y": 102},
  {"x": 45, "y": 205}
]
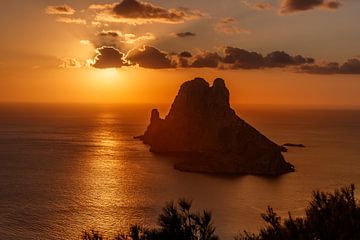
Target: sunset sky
[{"x": 269, "y": 51}]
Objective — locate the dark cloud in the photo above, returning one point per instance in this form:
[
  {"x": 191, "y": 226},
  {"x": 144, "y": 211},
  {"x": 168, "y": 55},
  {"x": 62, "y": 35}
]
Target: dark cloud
[
  {"x": 302, "y": 60},
  {"x": 60, "y": 10},
  {"x": 185, "y": 34},
  {"x": 282, "y": 59},
  {"x": 138, "y": 12},
  {"x": 206, "y": 60},
  {"x": 243, "y": 59},
  {"x": 240, "y": 58},
  {"x": 279, "y": 59},
  {"x": 290, "y": 6},
  {"x": 300, "y": 5},
  {"x": 233, "y": 58},
  {"x": 146, "y": 57},
  {"x": 351, "y": 66},
  {"x": 150, "y": 57},
  {"x": 109, "y": 57},
  {"x": 185, "y": 54},
  {"x": 236, "y": 58},
  {"x": 329, "y": 68},
  {"x": 332, "y": 4}
]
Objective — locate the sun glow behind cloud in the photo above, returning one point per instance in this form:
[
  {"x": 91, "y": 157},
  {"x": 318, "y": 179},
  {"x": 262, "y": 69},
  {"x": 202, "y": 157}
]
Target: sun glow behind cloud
[{"x": 107, "y": 76}]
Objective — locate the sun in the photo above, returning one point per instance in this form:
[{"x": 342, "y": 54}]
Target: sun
[
  {"x": 106, "y": 76},
  {"x": 109, "y": 73}
]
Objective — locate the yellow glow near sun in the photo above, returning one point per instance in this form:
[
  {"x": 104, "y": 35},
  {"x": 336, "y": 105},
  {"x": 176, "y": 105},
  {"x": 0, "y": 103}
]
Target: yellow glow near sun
[
  {"x": 107, "y": 76},
  {"x": 110, "y": 73}
]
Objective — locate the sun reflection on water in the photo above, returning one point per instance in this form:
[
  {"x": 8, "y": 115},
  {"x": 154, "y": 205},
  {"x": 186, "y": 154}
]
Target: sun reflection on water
[{"x": 103, "y": 178}]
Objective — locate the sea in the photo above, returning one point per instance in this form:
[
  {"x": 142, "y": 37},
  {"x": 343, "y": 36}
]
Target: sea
[{"x": 67, "y": 168}]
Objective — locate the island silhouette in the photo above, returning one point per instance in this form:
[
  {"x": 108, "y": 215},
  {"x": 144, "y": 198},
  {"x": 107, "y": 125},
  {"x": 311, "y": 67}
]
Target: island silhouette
[{"x": 208, "y": 137}]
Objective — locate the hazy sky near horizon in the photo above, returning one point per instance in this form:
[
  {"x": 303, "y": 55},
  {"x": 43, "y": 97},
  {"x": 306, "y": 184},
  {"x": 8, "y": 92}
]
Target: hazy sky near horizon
[{"x": 268, "y": 51}]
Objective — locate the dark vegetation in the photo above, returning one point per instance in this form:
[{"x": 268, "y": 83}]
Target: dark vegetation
[
  {"x": 176, "y": 222},
  {"x": 328, "y": 216}
]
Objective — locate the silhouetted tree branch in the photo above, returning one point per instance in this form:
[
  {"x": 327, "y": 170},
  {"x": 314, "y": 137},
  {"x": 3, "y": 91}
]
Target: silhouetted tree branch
[{"x": 328, "y": 216}]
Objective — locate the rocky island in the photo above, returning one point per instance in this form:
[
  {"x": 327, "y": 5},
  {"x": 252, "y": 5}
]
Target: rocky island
[{"x": 207, "y": 135}]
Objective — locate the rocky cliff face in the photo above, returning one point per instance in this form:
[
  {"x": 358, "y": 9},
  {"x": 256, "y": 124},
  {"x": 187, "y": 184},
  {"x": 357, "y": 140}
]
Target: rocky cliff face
[{"x": 202, "y": 128}]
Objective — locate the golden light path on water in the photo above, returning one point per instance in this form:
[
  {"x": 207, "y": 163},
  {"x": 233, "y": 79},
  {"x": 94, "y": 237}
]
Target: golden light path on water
[
  {"x": 112, "y": 187},
  {"x": 104, "y": 181}
]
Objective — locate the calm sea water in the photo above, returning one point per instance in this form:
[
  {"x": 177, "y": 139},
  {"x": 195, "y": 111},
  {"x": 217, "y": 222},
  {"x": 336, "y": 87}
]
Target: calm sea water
[{"x": 66, "y": 168}]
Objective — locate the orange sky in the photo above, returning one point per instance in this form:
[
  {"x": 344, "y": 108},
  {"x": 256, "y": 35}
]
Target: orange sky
[{"x": 53, "y": 57}]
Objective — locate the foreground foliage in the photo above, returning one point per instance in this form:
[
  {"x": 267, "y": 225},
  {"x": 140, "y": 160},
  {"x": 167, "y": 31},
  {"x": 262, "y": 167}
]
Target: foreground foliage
[
  {"x": 177, "y": 222},
  {"x": 328, "y": 216}
]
